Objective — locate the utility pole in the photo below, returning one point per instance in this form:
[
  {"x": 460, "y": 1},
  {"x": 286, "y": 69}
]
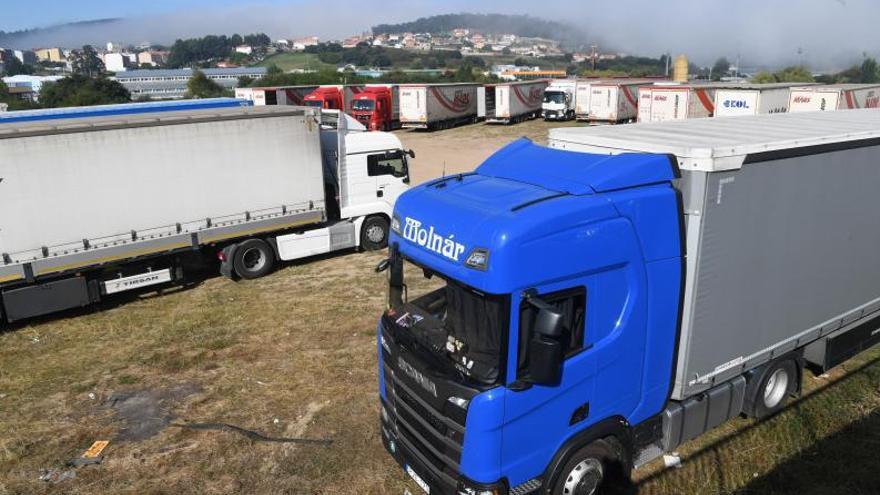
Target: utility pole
[
  {"x": 667, "y": 64},
  {"x": 594, "y": 54}
]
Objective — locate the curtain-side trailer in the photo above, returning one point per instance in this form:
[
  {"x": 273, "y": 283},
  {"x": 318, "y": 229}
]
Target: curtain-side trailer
[
  {"x": 661, "y": 102},
  {"x": 93, "y": 206},
  {"x": 438, "y": 106},
  {"x": 614, "y": 101},
  {"x": 573, "y": 310},
  {"x": 276, "y": 95},
  {"x": 834, "y": 97},
  {"x": 517, "y": 101}
]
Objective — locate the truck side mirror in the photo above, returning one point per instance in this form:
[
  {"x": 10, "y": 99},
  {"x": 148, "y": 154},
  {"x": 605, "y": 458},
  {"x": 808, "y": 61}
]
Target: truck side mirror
[
  {"x": 548, "y": 322},
  {"x": 546, "y": 353},
  {"x": 545, "y": 361},
  {"x": 411, "y": 153}
]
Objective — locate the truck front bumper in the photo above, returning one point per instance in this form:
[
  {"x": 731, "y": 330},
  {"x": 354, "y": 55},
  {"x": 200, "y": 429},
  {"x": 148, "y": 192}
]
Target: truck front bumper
[{"x": 431, "y": 480}]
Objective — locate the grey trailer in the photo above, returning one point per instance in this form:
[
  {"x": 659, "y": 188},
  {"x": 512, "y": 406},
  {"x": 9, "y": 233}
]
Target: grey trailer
[{"x": 781, "y": 233}]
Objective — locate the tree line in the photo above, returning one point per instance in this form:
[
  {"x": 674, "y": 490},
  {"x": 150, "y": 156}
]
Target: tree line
[{"x": 212, "y": 48}]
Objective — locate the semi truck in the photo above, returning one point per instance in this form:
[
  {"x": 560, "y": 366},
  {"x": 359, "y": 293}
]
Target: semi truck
[
  {"x": 560, "y": 100},
  {"x": 47, "y": 114},
  {"x": 614, "y": 102},
  {"x": 438, "y": 106},
  {"x": 275, "y": 95},
  {"x": 753, "y": 99},
  {"x": 377, "y": 107},
  {"x": 333, "y": 97},
  {"x": 672, "y": 101},
  {"x": 834, "y": 97},
  {"x": 514, "y": 102},
  {"x": 566, "y": 314},
  {"x": 91, "y": 207}
]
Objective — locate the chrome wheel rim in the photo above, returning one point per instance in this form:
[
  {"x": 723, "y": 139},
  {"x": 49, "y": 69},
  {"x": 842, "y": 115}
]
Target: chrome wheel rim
[
  {"x": 584, "y": 478},
  {"x": 375, "y": 233},
  {"x": 777, "y": 387}
]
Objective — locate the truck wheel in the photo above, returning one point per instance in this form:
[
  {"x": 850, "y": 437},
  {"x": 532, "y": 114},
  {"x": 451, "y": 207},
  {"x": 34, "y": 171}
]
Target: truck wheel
[
  {"x": 588, "y": 470},
  {"x": 374, "y": 234},
  {"x": 254, "y": 258},
  {"x": 769, "y": 391}
]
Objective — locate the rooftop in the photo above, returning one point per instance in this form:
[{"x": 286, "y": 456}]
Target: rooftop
[
  {"x": 723, "y": 143},
  {"x": 188, "y": 72}
]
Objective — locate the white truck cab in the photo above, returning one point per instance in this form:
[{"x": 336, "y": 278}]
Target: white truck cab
[
  {"x": 364, "y": 173},
  {"x": 560, "y": 100}
]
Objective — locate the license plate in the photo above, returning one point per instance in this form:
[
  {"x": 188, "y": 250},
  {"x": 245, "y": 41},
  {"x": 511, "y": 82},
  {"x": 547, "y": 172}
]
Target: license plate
[{"x": 418, "y": 479}]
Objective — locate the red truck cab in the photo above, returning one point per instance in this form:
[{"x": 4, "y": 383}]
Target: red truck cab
[
  {"x": 377, "y": 108},
  {"x": 326, "y": 97}
]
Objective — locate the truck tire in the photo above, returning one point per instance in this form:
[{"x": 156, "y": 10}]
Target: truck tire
[
  {"x": 253, "y": 258},
  {"x": 589, "y": 471},
  {"x": 374, "y": 234},
  {"x": 769, "y": 389}
]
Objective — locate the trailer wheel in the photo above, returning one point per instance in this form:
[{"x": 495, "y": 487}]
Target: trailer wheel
[
  {"x": 769, "y": 390},
  {"x": 587, "y": 471},
  {"x": 374, "y": 234},
  {"x": 253, "y": 258}
]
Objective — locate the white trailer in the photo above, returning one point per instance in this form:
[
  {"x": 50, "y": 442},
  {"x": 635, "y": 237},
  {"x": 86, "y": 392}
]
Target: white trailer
[
  {"x": 614, "y": 101},
  {"x": 517, "y": 101},
  {"x": 834, "y": 97},
  {"x": 753, "y": 99},
  {"x": 277, "y": 95},
  {"x": 670, "y": 101},
  {"x": 437, "y": 106},
  {"x": 560, "y": 100},
  {"x": 582, "y": 99},
  {"x": 94, "y": 206}
]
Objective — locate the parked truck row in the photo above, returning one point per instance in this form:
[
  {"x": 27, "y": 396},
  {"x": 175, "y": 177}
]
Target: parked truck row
[
  {"x": 568, "y": 313},
  {"x": 246, "y": 185},
  {"x": 387, "y": 107}
]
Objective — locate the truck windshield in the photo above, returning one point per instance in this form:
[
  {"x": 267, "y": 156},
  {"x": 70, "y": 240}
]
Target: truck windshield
[
  {"x": 554, "y": 97},
  {"x": 363, "y": 105},
  {"x": 463, "y": 326},
  {"x": 314, "y": 103}
]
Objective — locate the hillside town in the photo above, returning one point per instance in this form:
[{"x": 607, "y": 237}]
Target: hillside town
[{"x": 144, "y": 68}]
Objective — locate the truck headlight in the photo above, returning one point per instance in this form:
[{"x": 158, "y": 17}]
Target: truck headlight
[
  {"x": 478, "y": 259},
  {"x": 395, "y": 224}
]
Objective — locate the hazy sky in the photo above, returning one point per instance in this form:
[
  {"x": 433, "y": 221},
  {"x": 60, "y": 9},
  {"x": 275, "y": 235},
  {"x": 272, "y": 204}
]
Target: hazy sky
[{"x": 828, "y": 33}]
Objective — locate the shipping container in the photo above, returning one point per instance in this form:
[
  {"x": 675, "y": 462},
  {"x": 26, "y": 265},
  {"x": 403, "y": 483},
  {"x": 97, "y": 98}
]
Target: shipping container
[
  {"x": 436, "y": 106},
  {"x": 834, "y": 97}
]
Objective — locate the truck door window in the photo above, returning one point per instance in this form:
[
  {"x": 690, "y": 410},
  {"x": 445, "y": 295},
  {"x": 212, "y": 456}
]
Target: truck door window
[
  {"x": 572, "y": 303},
  {"x": 391, "y": 163}
]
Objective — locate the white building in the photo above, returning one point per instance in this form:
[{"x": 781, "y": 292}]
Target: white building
[
  {"x": 116, "y": 62},
  {"x": 246, "y": 49},
  {"x": 33, "y": 83}
]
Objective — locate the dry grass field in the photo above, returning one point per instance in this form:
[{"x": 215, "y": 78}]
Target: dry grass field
[{"x": 294, "y": 355}]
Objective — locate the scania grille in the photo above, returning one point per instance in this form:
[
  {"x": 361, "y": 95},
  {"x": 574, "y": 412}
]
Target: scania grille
[{"x": 436, "y": 439}]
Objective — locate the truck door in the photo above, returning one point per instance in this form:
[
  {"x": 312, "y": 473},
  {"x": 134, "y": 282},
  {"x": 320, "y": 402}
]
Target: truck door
[{"x": 391, "y": 172}]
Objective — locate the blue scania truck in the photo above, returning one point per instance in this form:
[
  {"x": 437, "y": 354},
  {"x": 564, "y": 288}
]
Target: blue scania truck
[{"x": 565, "y": 314}]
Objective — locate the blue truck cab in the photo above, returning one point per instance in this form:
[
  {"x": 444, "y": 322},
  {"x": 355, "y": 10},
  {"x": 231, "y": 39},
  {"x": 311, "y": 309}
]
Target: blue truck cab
[{"x": 548, "y": 325}]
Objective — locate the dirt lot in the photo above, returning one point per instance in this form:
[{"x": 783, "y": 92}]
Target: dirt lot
[{"x": 293, "y": 355}]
